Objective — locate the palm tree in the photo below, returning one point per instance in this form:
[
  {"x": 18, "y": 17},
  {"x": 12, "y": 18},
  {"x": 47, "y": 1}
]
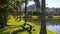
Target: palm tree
[
  {"x": 20, "y": 11},
  {"x": 26, "y": 1},
  {"x": 43, "y": 19}
]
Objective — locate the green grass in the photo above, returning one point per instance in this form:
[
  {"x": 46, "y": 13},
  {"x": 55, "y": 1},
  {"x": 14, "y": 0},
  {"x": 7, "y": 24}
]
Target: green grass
[
  {"x": 15, "y": 25},
  {"x": 56, "y": 17}
]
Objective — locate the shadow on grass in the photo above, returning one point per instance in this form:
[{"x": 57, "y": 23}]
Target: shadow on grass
[
  {"x": 22, "y": 30},
  {"x": 29, "y": 29},
  {"x": 8, "y": 27}
]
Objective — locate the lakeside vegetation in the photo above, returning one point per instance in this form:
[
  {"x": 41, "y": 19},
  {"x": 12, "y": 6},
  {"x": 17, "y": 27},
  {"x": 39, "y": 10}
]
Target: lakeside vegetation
[
  {"x": 15, "y": 25},
  {"x": 13, "y": 22}
]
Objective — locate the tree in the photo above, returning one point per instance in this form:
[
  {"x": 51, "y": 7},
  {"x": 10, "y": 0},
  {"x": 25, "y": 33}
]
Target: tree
[
  {"x": 43, "y": 19},
  {"x": 21, "y": 2},
  {"x": 4, "y": 6},
  {"x": 18, "y": 4},
  {"x": 18, "y": 7},
  {"x": 26, "y": 1}
]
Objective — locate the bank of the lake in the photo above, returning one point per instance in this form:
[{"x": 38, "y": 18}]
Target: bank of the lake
[
  {"x": 15, "y": 27},
  {"x": 55, "y": 28}
]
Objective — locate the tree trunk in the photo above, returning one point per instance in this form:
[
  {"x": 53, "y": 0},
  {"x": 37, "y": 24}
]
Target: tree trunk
[
  {"x": 43, "y": 19},
  {"x": 20, "y": 12},
  {"x": 26, "y": 1}
]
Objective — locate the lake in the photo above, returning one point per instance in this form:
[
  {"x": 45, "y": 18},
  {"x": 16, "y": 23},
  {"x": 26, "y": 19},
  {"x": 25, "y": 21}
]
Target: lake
[
  {"x": 55, "y": 28},
  {"x": 52, "y": 24}
]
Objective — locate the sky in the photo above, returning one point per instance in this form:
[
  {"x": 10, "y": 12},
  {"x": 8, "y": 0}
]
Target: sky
[{"x": 49, "y": 3}]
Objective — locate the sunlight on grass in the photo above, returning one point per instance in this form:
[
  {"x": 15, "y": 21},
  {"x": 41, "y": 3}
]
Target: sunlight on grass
[{"x": 56, "y": 17}]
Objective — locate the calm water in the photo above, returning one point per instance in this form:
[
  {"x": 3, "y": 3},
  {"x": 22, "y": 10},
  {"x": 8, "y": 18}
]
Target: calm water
[
  {"x": 52, "y": 24},
  {"x": 55, "y": 28}
]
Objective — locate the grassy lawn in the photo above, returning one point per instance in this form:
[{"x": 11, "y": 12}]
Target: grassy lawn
[
  {"x": 56, "y": 17},
  {"x": 15, "y": 26}
]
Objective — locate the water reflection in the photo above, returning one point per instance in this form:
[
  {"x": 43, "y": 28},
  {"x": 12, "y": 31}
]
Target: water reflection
[
  {"x": 55, "y": 28},
  {"x": 52, "y": 24},
  {"x": 48, "y": 21}
]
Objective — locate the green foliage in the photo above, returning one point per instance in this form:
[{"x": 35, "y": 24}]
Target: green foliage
[
  {"x": 3, "y": 12},
  {"x": 16, "y": 26},
  {"x": 4, "y": 2},
  {"x": 8, "y": 7}
]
